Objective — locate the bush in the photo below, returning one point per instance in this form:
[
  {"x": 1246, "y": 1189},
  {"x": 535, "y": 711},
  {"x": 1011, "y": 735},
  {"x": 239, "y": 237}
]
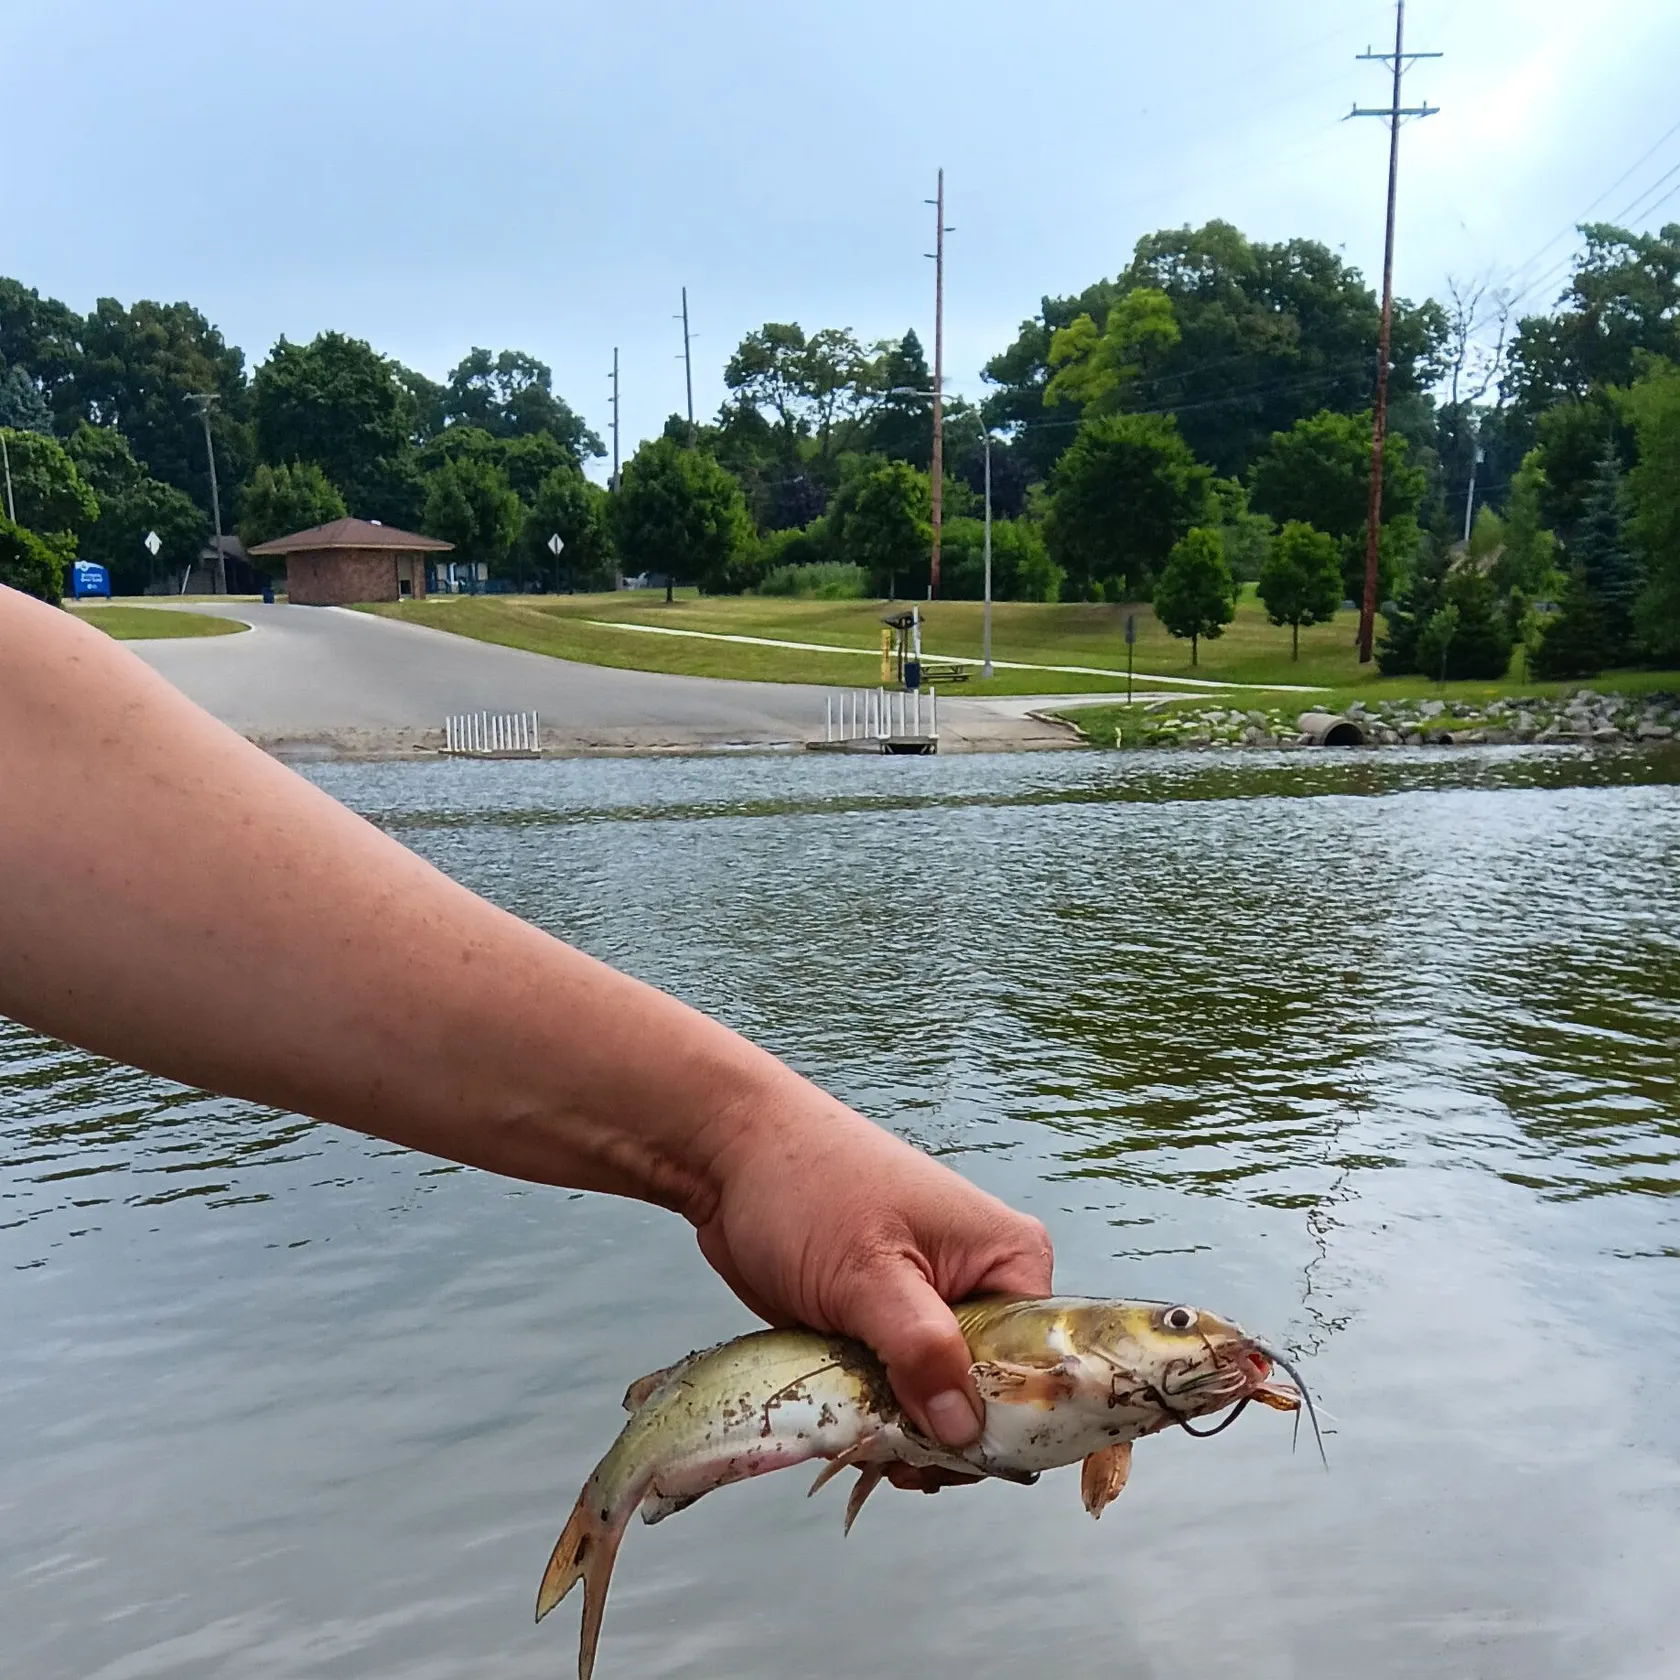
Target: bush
[
  {"x": 31, "y": 563},
  {"x": 825, "y": 580},
  {"x": 1022, "y": 569},
  {"x": 1575, "y": 643}
]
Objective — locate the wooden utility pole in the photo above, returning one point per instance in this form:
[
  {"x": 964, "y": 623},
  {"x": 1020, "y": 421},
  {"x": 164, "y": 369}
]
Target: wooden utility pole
[
  {"x": 1393, "y": 112},
  {"x": 612, "y": 483},
  {"x": 205, "y": 401},
  {"x": 688, "y": 369},
  {"x": 936, "y": 475}
]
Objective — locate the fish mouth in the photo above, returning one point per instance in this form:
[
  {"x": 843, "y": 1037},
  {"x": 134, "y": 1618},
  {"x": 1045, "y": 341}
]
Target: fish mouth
[{"x": 1242, "y": 1375}]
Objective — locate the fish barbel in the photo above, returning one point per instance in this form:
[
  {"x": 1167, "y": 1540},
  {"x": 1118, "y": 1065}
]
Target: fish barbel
[{"x": 1063, "y": 1379}]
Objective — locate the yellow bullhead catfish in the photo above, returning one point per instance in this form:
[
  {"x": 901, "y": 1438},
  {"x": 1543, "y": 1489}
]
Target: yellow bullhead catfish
[{"x": 1064, "y": 1380}]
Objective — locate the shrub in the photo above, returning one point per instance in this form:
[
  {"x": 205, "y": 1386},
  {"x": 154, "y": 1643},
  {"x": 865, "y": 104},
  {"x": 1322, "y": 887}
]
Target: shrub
[
  {"x": 30, "y": 563},
  {"x": 824, "y": 580}
]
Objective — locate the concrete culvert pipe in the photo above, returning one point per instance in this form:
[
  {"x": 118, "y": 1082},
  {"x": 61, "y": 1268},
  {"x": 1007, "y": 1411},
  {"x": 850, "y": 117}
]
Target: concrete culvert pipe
[{"x": 1326, "y": 729}]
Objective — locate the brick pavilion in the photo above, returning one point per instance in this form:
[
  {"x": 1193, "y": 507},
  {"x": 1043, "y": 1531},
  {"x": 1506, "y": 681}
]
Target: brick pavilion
[{"x": 351, "y": 560}]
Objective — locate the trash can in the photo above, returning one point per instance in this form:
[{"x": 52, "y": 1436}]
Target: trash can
[
  {"x": 268, "y": 594},
  {"x": 912, "y": 673}
]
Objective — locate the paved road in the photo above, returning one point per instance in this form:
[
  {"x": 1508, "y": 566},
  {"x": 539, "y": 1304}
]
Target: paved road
[{"x": 330, "y": 680}]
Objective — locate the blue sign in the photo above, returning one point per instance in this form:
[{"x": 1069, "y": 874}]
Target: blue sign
[{"x": 88, "y": 579}]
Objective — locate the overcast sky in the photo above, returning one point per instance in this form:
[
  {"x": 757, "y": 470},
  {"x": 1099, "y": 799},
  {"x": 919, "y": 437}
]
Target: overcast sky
[{"x": 547, "y": 175}]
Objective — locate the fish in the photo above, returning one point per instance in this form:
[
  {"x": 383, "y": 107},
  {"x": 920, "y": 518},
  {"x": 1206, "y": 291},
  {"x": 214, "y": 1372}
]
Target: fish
[{"x": 1064, "y": 1380}]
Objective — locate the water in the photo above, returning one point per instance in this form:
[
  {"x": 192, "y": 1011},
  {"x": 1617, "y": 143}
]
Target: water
[{"x": 1376, "y": 1055}]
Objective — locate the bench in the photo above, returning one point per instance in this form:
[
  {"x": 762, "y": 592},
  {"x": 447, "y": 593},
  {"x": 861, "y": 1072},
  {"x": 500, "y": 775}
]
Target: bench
[{"x": 945, "y": 673}]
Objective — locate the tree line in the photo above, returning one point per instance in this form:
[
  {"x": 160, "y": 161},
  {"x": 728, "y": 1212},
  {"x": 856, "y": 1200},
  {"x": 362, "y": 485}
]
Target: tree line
[{"x": 1199, "y": 422}]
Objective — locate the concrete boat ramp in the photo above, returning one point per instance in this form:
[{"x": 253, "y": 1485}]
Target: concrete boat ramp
[{"x": 329, "y": 682}]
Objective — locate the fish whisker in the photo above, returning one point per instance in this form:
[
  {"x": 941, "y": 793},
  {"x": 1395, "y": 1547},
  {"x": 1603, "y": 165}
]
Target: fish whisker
[{"x": 1306, "y": 1399}]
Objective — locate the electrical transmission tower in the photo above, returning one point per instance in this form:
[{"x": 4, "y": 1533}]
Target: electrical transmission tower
[{"x": 1394, "y": 113}]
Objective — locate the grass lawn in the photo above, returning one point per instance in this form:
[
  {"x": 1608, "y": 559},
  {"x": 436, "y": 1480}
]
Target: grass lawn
[
  {"x": 1250, "y": 652},
  {"x": 135, "y": 624}
]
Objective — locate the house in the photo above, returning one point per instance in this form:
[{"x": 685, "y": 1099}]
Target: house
[{"x": 352, "y": 560}]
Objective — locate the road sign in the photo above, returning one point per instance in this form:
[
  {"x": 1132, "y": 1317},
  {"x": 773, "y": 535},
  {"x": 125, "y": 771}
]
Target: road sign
[
  {"x": 153, "y": 542},
  {"x": 555, "y": 544},
  {"x": 1131, "y": 628}
]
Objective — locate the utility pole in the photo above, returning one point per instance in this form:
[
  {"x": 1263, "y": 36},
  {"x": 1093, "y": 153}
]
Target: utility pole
[
  {"x": 936, "y": 476},
  {"x": 612, "y": 483},
  {"x": 206, "y": 400},
  {"x": 6, "y": 456},
  {"x": 1393, "y": 112},
  {"x": 1470, "y": 494},
  {"x": 688, "y": 369}
]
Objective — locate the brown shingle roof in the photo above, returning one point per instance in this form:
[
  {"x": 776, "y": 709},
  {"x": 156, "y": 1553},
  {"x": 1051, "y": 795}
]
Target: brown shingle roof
[{"x": 351, "y": 533}]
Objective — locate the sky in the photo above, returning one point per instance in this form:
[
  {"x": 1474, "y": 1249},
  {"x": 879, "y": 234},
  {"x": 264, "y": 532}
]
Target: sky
[{"x": 548, "y": 176}]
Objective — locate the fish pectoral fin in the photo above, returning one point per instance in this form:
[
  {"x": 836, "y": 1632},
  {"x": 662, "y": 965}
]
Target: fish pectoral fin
[
  {"x": 635, "y": 1396},
  {"x": 1103, "y": 1475},
  {"x": 843, "y": 1461},
  {"x": 1022, "y": 1385}
]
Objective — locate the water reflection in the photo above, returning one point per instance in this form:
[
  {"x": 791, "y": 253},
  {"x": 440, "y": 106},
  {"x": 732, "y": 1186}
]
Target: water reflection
[{"x": 1374, "y": 1053}]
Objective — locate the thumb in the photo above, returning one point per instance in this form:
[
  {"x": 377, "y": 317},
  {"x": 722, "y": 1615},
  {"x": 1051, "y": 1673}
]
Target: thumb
[{"x": 901, "y": 1316}]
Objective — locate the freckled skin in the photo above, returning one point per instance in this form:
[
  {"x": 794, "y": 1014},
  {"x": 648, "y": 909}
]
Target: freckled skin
[{"x": 1063, "y": 1379}]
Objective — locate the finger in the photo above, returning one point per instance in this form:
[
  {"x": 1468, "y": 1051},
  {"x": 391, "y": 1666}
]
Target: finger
[{"x": 900, "y": 1315}]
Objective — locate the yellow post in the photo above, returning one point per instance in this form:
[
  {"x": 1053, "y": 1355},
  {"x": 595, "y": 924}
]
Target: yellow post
[{"x": 886, "y": 655}]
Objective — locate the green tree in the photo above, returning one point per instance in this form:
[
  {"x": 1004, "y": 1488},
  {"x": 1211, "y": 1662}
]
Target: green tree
[
  {"x": 1022, "y": 569},
  {"x": 1653, "y": 405},
  {"x": 42, "y": 337},
  {"x": 882, "y": 524},
  {"x": 1319, "y": 472},
  {"x": 524, "y": 461},
  {"x": 1247, "y": 535},
  {"x": 1125, "y": 492},
  {"x": 336, "y": 401},
  {"x": 1574, "y": 642},
  {"x": 47, "y": 490},
  {"x": 679, "y": 512},
  {"x": 132, "y": 504},
  {"x": 1096, "y": 369},
  {"x": 815, "y": 386},
  {"x": 1301, "y": 581},
  {"x": 1195, "y": 596},
  {"x": 140, "y": 370},
  {"x": 1483, "y": 637},
  {"x": 511, "y": 395},
  {"x": 900, "y": 426},
  {"x": 1598, "y": 547},
  {"x": 568, "y": 506},
  {"x": 1528, "y": 553},
  {"x": 22, "y": 407},
  {"x": 469, "y": 504},
  {"x": 31, "y": 563},
  {"x": 294, "y": 496}
]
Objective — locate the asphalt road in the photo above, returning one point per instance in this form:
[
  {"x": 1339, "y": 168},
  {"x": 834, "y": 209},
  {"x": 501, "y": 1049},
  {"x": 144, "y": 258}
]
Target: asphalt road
[{"x": 328, "y": 680}]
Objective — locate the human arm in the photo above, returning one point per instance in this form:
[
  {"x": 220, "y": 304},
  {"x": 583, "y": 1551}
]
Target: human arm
[{"x": 164, "y": 884}]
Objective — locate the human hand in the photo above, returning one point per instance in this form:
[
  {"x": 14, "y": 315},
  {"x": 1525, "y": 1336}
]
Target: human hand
[{"x": 826, "y": 1220}]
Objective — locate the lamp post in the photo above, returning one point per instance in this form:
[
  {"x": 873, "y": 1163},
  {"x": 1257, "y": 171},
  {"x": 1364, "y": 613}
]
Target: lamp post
[{"x": 986, "y": 609}]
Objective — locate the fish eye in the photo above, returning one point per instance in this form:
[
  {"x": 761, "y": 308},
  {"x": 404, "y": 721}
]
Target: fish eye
[{"x": 1179, "y": 1318}]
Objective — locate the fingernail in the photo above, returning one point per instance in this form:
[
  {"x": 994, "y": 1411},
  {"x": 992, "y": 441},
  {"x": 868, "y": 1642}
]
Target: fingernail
[{"x": 952, "y": 1416}]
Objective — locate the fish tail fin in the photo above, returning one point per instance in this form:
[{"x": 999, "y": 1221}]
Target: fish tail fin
[{"x": 585, "y": 1551}]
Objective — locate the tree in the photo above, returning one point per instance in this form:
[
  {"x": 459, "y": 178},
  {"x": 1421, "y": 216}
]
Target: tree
[
  {"x": 679, "y": 512},
  {"x": 469, "y": 504},
  {"x": 294, "y": 496},
  {"x": 524, "y": 461},
  {"x": 1574, "y": 642},
  {"x": 1195, "y": 596},
  {"x": 901, "y": 425},
  {"x": 1527, "y": 556},
  {"x": 1247, "y": 535},
  {"x": 1096, "y": 369},
  {"x": 1598, "y": 548},
  {"x": 40, "y": 336},
  {"x": 1484, "y": 634},
  {"x": 1653, "y": 405},
  {"x": 48, "y": 492},
  {"x": 511, "y": 395},
  {"x": 31, "y": 563},
  {"x": 1301, "y": 581},
  {"x": 140, "y": 369},
  {"x": 131, "y": 504},
  {"x": 882, "y": 523},
  {"x": 336, "y": 401},
  {"x": 1022, "y": 569},
  {"x": 568, "y": 506},
  {"x": 811, "y": 385},
  {"x": 1126, "y": 490},
  {"x": 1319, "y": 472},
  {"x": 22, "y": 407}
]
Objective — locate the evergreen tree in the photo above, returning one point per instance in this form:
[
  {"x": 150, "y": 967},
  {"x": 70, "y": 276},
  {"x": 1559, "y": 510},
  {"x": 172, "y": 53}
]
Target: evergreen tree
[
  {"x": 1422, "y": 596},
  {"x": 1575, "y": 643},
  {"x": 1481, "y": 642},
  {"x": 1600, "y": 551}
]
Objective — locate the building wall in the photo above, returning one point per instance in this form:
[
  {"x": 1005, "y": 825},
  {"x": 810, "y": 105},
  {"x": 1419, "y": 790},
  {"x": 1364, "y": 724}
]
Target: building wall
[{"x": 336, "y": 577}]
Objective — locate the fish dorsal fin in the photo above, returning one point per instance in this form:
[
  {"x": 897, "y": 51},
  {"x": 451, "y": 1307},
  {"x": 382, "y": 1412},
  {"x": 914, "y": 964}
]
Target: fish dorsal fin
[{"x": 636, "y": 1395}]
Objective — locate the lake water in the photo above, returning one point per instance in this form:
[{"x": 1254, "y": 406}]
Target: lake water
[{"x": 1375, "y": 1054}]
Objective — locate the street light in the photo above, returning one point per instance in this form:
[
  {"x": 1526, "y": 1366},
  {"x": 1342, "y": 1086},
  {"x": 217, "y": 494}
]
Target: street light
[{"x": 986, "y": 611}]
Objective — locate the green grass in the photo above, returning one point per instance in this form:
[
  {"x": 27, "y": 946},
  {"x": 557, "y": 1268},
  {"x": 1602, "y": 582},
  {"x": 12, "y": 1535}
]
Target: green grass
[
  {"x": 1251, "y": 651},
  {"x": 136, "y": 624}
]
